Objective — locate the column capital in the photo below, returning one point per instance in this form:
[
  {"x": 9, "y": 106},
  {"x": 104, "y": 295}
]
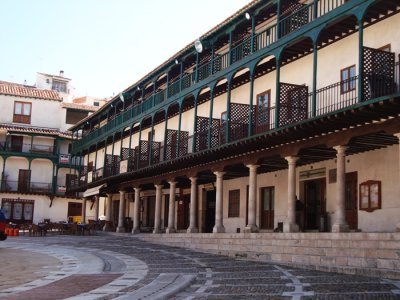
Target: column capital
[
  {"x": 159, "y": 186},
  {"x": 252, "y": 166},
  {"x": 219, "y": 173},
  {"x": 291, "y": 159},
  {"x": 122, "y": 191},
  {"x": 340, "y": 149},
  {"x": 397, "y": 135},
  {"x": 172, "y": 182},
  {"x": 137, "y": 189},
  {"x": 193, "y": 179}
]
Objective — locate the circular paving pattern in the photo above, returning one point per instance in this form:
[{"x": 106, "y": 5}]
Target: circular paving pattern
[{"x": 118, "y": 266}]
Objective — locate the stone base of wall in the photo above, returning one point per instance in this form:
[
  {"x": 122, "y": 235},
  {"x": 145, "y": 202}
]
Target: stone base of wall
[{"x": 370, "y": 254}]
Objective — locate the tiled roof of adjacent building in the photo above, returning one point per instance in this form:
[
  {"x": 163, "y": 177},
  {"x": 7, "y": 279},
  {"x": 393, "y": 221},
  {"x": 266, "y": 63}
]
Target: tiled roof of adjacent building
[
  {"x": 83, "y": 107},
  {"x": 38, "y": 130},
  {"x": 20, "y": 90}
]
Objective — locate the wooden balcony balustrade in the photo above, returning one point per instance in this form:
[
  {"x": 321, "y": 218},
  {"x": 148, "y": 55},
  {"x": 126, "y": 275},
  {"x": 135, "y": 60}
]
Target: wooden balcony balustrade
[
  {"x": 295, "y": 106},
  {"x": 293, "y": 18}
]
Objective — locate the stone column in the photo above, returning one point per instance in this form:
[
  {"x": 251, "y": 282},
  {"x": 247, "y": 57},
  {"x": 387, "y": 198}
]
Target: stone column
[
  {"x": 83, "y": 217},
  {"x": 290, "y": 224},
  {"x": 107, "y": 226},
  {"x": 171, "y": 209},
  {"x": 340, "y": 224},
  {"x": 97, "y": 200},
  {"x": 251, "y": 226},
  {"x": 398, "y": 173},
  {"x": 136, "y": 212},
  {"x": 121, "y": 212},
  {"x": 157, "y": 215},
  {"x": 219, "y": 203},
  {"x": 193, "y": 206}
]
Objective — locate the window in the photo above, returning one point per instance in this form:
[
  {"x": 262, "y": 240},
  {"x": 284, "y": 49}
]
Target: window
[
  {"x": 59, "y": 86},
  {"x": 96, "y": 103},
  {"x": 22, "y": 112},
  {"x": 234, "y": 204},
  {"x": 224, "y": 117},
  {"x": 263, "y": 107},
  {"x": 18, "y": 210},
  {"x": 370, "y": 195},
  {"x": 347, "y": 79}
]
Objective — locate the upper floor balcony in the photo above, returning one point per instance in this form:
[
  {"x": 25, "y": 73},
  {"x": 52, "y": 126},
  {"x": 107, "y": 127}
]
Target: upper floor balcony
[
  {"x": 381, "y": 78},
  {"x": 267, "y": 27}
]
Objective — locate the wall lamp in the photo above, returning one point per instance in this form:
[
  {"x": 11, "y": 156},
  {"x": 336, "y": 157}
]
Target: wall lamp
[
  {"x": 121, "y": 96},
  {"x": 247, "y": 16}
]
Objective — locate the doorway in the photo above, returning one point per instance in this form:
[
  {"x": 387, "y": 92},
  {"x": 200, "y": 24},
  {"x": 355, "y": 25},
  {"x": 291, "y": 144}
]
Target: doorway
[
  {"x": 315, "y": 204},
  {"x": 115, "y": 212},
  {"x": 151, "y": 210},
  {"x": 210, "y": 211},
  {"x": 351, "y": 200},
  {"x": 24, "y": 178},
  {"x": 17, "y": 143},
  {"x": 267, "y": 207},
  {"x": 183, "y": 212}
]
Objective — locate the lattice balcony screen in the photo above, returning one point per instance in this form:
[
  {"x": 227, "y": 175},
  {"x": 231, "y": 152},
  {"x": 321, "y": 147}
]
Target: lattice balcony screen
[
  {"x": 239, "y": 124},
  {"x": 111, "y": 166},
  {"x": 379, "y": 79},
  {"x": 142, "y": 153},
  {"x": 172, "y": 144},
  {"x": 293, "y": 103}
]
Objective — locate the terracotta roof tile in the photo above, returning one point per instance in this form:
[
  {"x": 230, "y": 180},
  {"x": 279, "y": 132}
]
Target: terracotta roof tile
[
  {"x": 80, "y": 106},
  {"x": 15, "y": 89},
  {"x": 40, "y": 130}
]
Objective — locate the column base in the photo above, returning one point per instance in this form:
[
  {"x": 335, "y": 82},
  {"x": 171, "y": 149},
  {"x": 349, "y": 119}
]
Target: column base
[
  {"x": 170, "y": 230},
  {"x": 290, "y": 227},
  {"x": 157, "y": 230},
  {"x": 250, "y": 228},
  {"x": 219, "y": 229},
  {"x": 120, "y": 229},
  {"x": 192, "y": 230},
  {"x": 135, "y": 231},
  {"x": 340, "y": 228}
]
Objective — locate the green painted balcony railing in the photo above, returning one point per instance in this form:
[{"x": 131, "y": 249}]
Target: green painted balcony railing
[{"x": 287, "y": 25}]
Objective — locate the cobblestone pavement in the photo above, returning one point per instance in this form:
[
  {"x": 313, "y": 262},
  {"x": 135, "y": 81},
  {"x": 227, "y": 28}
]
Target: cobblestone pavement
[{"x": 121, "y": 266}]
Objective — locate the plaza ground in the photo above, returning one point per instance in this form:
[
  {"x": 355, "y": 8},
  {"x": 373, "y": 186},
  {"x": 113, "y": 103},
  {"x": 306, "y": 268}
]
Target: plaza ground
[{"x": 111, "y": 266}]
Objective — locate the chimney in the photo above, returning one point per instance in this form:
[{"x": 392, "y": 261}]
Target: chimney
[
  {"x": 61, "y": 73},
  {"x": 25, "y": 82}
]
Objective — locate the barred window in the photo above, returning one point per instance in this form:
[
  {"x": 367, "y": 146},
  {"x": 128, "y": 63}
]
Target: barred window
[{"x": 234, "y": 204}]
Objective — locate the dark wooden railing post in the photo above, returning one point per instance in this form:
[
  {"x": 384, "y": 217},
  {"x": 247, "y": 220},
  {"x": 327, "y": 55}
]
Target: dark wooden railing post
[
  {"x": 151, "y": 141},
  {"x": 253, "y": 30},
  {"x": 230, "y": 48},
  {"x": 228, "y": 111},
  {"x": 179, "y": 130},
  {"x": 195, "y": 123},
  {"x": 139, "y": 145},
  {"x": 315, "y": 9},
  {"x": 278, "y": 19},
  {"x": 250, "y": 127},
  {"x": 165, "y": 135},
  {"x": 180, "y": 77},
  {"x": 278, "y": 91},
  {"x": 360, "y": 60},
  {"x": 196, "y": 74},
  {"x": 95, "y": 162},
  {"x": 210, "y": 119},
  {"x": 314, "y": 84}
]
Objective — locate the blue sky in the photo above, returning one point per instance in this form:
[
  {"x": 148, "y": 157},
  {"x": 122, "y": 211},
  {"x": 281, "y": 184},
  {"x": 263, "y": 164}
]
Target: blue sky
[{"x": 103, "y": 45}]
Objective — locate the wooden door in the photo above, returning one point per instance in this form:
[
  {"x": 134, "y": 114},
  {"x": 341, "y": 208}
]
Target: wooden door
[
  {"x": 166, "y": 211},
  {"x": 183, "y": 212},
  {"x": 263, "y": 111},
  {"x": 151, "y": 210},
  {"x": 17, "y": 143},
  {"x": 351, "y": 200},
  {"x": 315, "y": 204},
  {"x": 115, "y": 212},
  {"x": 267, "y": 207},
  {"x": 210, "y": 211},
  {"x": 24, "y": 178}
]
